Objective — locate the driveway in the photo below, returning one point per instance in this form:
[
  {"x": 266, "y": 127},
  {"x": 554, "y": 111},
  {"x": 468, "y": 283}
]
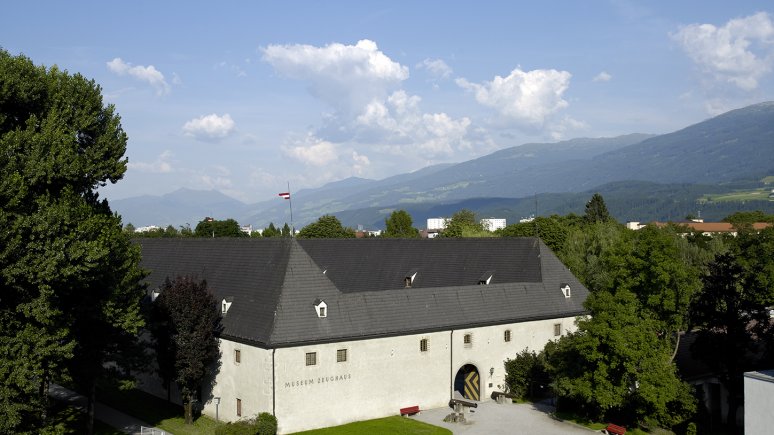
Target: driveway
[{"x": 491, "y": 418}]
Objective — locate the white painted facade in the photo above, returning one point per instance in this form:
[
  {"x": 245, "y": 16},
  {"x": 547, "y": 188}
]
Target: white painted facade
[
  {"x": 758, "y": 402},
  {"x": 436, "y": 224},
  {"x": 379, "y": 376},
  {"x": 492, "y": 224}
]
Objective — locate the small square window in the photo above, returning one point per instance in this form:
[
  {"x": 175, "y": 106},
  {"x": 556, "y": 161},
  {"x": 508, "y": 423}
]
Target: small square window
[
  {"x": 507, "y": 335},
  {"x": 467, "y": 339},
  {"x": 341, "y": 355},
  {"x": 311, "y": 358},
  {"x": 239, "y": 407},
  {"x": 423, "y": 345},
  {"x": 557, "y": 329},
  {"x": 237, "y": 356}
]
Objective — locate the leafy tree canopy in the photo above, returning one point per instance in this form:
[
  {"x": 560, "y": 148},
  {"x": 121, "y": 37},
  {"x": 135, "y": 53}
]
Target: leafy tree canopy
[
  {"x": 209, "y": 227},
  {"x": 69, "y": 275},
  {"x": 326, "y": 227},
  {"x": 616, "y": 368},
  {"x": 747, "y": 218},
  {"x": 185, "y": 324},
  {"x": 400, "y": 225},
  {"x": 463, "y": 224}
]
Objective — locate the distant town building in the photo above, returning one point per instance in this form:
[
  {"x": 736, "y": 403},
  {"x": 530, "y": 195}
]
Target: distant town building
[
  {"x": 247, "y": 229},
  {"x": 526, "y": 220},
  {"x": 146, "y": 229},
  {"x": 491, "y": 224},
  {"x": 698, "y": 225},
  {"x": 436, "y": 224}
]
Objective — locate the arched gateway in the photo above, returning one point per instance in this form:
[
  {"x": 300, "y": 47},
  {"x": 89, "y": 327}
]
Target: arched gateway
[{"x": 467, "y": 382}]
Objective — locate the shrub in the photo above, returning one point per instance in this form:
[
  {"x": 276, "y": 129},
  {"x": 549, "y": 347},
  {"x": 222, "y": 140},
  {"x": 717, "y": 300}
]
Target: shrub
[{"x": 264, "y": 424}]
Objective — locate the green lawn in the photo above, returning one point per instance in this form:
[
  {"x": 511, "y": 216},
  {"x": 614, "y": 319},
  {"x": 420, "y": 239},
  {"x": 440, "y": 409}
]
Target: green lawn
[
  {"x": 390, "y": 425},
  {"x": 747, "y": 195},
  {"x": 155, "y": 411}
]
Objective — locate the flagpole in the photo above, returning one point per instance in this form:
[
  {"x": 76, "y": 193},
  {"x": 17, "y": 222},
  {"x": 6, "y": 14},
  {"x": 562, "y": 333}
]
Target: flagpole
[{"x": 290, "y": 203}]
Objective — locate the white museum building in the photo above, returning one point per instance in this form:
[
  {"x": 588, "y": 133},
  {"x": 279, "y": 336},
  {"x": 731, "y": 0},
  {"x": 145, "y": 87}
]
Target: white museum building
[{"x": 322, "y": 332}]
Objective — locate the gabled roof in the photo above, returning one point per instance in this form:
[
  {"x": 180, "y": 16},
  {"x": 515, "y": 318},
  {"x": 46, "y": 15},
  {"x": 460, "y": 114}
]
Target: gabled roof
[{"x": 275, "y": 282}]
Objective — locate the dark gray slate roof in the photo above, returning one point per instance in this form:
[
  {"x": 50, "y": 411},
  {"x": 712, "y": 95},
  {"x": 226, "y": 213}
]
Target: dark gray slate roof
[{"x": 275, "y": 282}]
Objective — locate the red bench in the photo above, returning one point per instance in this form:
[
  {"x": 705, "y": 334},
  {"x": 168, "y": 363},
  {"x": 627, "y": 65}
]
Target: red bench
[
  {"x": 615, "y": 429},
  {"x": 410, "y": 410}
]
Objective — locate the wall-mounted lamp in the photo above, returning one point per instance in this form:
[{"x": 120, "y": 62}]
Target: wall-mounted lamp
[{"x": 491, "y": 371}]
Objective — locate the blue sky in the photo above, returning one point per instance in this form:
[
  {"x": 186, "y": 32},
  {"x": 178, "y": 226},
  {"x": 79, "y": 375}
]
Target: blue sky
[{"x": 244, "y": 97}]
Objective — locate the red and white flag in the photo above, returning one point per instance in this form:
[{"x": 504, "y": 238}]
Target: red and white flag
[{"x": 285, "y": 195}]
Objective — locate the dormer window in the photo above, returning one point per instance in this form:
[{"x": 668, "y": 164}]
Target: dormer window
[
  {"x": 321, "y": 308},
  {"x": 410, "y": 276},
  {"x": 225, "y": 304},
  {"x": 565, "y": 290},
  {"x": 155, "y": 294},
  {"x": 486, "y": 278}
]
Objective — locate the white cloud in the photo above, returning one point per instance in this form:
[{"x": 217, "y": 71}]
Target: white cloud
[
  {"x": 398, "y": 123},
  {"x": 345, "y": 76},
  {"x": 313, "y": 151},
  {"x": 436, "y": 67},
  {"x": 526, "y": 97},
  {"x": 147, "y": 74},
  {"x": 160, "y": 166},
  {"x": 602, "y": 77},
  {"x": 740, "y": 52},
  {"x": 210, "y": 127},
  {"x": 361, "y": 162}
]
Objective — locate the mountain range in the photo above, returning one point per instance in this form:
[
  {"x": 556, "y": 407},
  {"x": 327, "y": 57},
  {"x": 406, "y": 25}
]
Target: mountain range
[{"x": 704, "y": 158}]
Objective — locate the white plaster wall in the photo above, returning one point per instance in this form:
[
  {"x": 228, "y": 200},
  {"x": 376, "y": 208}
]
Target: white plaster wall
[
  {"x": 758, "y": 405},
  {"x": 489, "y": 350},
  {"x": 249, "y": 380},
  {"x": 380, "y": 377}
]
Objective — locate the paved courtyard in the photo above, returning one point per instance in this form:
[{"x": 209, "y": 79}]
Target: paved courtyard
[{"x": 491, "y": 418}]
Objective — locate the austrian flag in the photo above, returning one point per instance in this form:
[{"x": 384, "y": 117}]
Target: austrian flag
[{"x": 285, "y": 195}]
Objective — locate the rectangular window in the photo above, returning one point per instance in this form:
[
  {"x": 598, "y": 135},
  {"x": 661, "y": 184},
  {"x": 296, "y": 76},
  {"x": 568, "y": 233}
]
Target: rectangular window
[
  {"x": 311, "y": 358},
  {"x": 423, "y": 345},
  {"x": 557, "y": 329},
  {"x": 322, "y": 311},
  {"x": 467, "y": 339},
  {"x": 341, "y": 355},
  {"x": 237, "y": 356},
  {"x": 507, "y": 335},
  {"x": 239, "y": 407}
]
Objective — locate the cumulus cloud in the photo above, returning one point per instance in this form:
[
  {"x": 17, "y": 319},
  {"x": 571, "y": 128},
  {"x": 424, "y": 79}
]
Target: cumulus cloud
[
  {"x": 159, "y": 166},
  {"x": 313, "y": 152},
  {"x": 148, "y": 74},
  {"x": 345, "y": 76},
  {"x": 740, "y": 52},
  {"x": 210, "y": 127},
  {"x": 361, "y": 162},
  {"x": 399, "y": 121},
  {"x": 436, "y": 67},
  {"x": 602, "y": 77},
  {"x": 525, "y": 97}
]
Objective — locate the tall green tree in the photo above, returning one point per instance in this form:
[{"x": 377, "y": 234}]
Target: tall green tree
[
  {"x": 185, "y": 325},
  {"x": 400, "y": 225},
  {"x": 596, "y": 210},
  {"x": 326, "y": 227},
  {"x": 286, "y": 230},
  {"x": 69, "y": 278},
  {"x": 731, "y": 312},
  {"x": 616, "y": 368},
  {"x": 271, "y": 231}
]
